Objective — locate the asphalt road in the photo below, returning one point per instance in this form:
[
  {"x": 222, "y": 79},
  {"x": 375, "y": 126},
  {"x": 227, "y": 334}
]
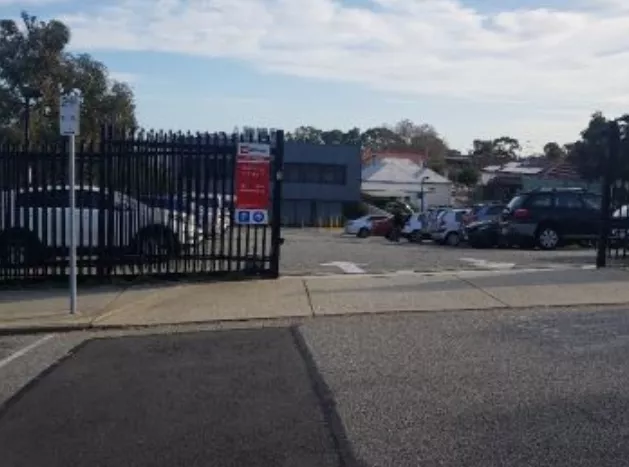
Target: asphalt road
[
  {"x": 309, "y": 251},
  {"x": 477, "y": 389}
]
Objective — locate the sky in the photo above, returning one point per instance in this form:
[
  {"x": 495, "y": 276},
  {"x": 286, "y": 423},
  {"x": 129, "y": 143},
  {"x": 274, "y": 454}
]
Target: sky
[{"x": 532, "y": 69}]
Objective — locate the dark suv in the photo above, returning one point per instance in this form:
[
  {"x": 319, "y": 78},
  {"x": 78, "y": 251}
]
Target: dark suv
[{"x": 552, "y": 217}]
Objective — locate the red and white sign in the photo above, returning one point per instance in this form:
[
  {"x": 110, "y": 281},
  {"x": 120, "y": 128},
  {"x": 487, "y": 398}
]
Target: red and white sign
[{"x": 253, "y": 183}]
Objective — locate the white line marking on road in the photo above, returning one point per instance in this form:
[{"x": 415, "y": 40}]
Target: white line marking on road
[
  {"x": 25, "y": 350},
  {"x": 346, "y": 267},
  {"x": 483, "y": 263}
]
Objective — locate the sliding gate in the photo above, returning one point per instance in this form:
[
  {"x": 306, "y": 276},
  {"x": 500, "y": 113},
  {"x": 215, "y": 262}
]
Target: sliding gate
[{"x": 147, "y": 204}]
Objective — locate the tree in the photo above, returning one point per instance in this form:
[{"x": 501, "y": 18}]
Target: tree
[
  {"x": 308, "y": 134},
  {"x": 403, "y": 136},
  {"x": 333, "y": 137},
  {"x": 554, "y": 152},
  {"x": 498, "y": 151},
  {"x": 588, "y": 153},
  {"x": 468, "y": 176},
  {"x": 382, "y": 138},
  {"x": 506, "y": 148},
  {"x": 34, "y": 61}
]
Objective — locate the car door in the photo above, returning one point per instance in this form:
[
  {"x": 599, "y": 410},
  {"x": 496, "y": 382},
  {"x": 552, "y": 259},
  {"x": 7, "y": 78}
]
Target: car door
[
  {"x": 378, "y": 225},
  {"x": 87, "y": 218},
  {"x": 570, "y": 215},
  {"x": 592, "y": 204},
  {"x": 127, "y": 215}
]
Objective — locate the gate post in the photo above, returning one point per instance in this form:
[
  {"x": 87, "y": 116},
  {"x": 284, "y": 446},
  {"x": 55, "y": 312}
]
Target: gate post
[
  {"x": 276, "y": 218},
  {"x": 611, "y": 159}
]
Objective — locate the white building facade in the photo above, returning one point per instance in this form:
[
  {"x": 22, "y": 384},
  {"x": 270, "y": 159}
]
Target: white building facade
[{"x": 406, "y": 180}]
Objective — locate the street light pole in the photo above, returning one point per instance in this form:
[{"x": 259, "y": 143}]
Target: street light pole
[
  {"x": 30, "y": 95},
  {"x": 421, "y": 185}
]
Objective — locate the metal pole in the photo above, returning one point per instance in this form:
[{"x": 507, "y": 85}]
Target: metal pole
[
  {"x": 613, "y": 147},
  {"x": 71, "y": 178},
  {"x": 27, "y": 143},
  {"x": 27, "y": 121}
]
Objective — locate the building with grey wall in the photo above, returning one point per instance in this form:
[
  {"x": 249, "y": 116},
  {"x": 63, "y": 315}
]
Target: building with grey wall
[{"x": 318, "y": 181}]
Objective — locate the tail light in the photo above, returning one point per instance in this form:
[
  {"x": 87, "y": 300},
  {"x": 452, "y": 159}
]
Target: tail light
[{"x": 521, "y": 213}]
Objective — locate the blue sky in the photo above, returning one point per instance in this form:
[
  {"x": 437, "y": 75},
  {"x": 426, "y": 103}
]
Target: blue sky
[{"x": 532, "y": 69}]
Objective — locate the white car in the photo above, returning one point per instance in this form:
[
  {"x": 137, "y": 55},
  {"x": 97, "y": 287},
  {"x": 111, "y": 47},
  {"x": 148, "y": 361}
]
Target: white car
[
  {"x": 363, "y": 226},
  {"x": 414, "y": 228},
  {"x": 447, "y": 229},
  {"x": 620, "y": 213},
  {"x": 35, "y": 223}
]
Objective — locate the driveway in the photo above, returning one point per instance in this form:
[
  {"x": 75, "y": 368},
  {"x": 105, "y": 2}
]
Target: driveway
[{"x": 477, "y": 389}]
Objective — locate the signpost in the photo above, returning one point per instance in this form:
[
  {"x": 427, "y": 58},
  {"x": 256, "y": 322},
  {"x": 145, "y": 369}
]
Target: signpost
[
  {"x": 253, "y": 172},
  {"x": 69, "y": 123}
]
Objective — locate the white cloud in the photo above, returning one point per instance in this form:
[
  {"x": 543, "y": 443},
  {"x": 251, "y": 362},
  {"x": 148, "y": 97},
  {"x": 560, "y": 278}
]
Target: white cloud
[
  {"x": 24, "y": 3},
  {"x": 543, "y": 57}
]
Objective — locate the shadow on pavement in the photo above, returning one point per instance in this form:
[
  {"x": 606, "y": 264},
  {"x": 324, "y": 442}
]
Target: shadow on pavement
[{"x": 226, "y": 398}]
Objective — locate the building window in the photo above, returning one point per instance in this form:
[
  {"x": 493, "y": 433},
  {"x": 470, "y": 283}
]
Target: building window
[{"x": 325, "y": 174}]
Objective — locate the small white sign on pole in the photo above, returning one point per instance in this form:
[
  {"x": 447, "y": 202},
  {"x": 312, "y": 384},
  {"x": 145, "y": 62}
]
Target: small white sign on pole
[
  {"x": 70, "y": 114},
  {"x": 69, "y": 125}
]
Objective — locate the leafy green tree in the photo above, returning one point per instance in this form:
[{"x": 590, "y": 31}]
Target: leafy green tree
[
  {"x": 468, "y": 176},
  {"x": 495, "y": 152},
  {"x": 333, "y": 137},
  {"x": 506, "y": 148},
  {"x": 382, "y": 138},
  {"x": 308, "y": 134},
  {"x": 553, "y": 151},
  {"x": 34, "y": 65},
  {"x": 588, "y": 154}
]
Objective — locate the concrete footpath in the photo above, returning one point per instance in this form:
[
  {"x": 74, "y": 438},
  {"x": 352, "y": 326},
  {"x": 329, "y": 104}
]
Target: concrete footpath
[{"x": 304, "y": 297}]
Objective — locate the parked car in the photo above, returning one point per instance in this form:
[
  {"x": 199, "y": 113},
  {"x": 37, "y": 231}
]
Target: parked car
[
  {"x": 206, "y": 211},
  {"x": 549, "y": 218},
  {"x": 35, "y": 224},
  {"x": 432, "y": 214},
  {"x": 448, "y": 227},
  {"x": 619, "y": 227},
  {"x": 363, "y": 227},
  {"x": 484, "y": 212},
  {"x": 483, "y": 234},
  {"x": 381, "y": 226},
  {"x": 414, "y": 229}
]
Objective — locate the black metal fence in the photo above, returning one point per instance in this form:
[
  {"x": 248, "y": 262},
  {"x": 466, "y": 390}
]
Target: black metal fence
[
  {"x": 614, "y": 236},
  {"x": 147, "y": 203}
]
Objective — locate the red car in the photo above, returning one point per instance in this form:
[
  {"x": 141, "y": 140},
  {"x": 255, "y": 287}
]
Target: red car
[{"x": 381, "y": 227}]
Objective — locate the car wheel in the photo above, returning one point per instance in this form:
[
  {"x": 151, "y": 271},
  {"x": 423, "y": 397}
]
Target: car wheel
[
  {"x": 19, "y": 249},
  {"x": 363, "y": 233},
  {"x": 416, "y": 236},
  {"x": 548, "y": 238},
  {"x": 453, "y": 239}
]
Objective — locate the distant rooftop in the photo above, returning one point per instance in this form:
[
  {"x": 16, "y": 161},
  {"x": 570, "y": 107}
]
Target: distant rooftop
[{"x": 369, "y": 156}]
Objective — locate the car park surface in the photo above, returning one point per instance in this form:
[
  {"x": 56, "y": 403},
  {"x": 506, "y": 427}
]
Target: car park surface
[{"x": 311, "y": 251}]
